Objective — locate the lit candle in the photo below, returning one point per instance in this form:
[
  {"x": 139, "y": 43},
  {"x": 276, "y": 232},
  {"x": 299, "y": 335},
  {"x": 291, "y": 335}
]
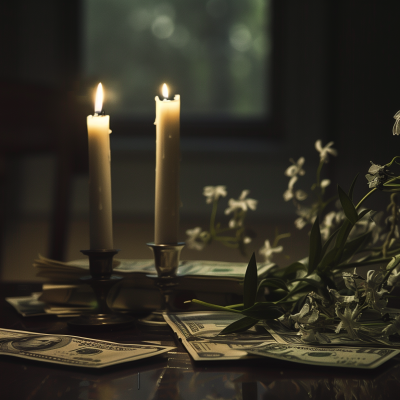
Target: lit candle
[
  {"x": 167, "y": 199},
  {"x": 101, "y": 235}
]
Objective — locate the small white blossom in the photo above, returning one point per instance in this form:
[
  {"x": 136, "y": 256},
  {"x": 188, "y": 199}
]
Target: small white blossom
[
  {"x": 192, "y": 242},
  {"x": 324, "y": 151},
  {"x": 306, "y": 215},
  {"x": 393, "y": 328},
  {"x": 396, "y": 126},
  {"x": 242, "y": 203},
  {"x": 373, "y": 297},
  {"x": 296, "y": 168},
  {"x": 214, "y": 193},
  {"x": 325, "y": 183},
  {"x": 307, "y": 315},
  {"x": 327, "y": 225},
  {"x": 267, "y": 251},
  {"x": 348, "y": 320},
  {"x": 394, "y": 278},
  {"x": 290, "y": 193}
]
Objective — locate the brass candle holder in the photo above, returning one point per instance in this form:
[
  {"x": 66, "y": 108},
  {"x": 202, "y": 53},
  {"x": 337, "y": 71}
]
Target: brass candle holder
[
  {"x": 166, "y": 259},
  {"x": 101, "y": 280}
]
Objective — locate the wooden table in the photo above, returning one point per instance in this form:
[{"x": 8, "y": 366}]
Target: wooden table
[{"x": 175, "y": 375}]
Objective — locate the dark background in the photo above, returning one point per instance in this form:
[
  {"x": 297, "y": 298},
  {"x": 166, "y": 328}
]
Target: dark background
[{"x": 334, "y": 77}]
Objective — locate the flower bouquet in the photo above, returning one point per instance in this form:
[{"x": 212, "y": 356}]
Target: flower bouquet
[{"x": 333, "y": 291}]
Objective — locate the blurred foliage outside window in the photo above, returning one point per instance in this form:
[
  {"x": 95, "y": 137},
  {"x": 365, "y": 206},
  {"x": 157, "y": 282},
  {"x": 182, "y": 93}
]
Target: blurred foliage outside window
[{"x": 214, "y": 53}]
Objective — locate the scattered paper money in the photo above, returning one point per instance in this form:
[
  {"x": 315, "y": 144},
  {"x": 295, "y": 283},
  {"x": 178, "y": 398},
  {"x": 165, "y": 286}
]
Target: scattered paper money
[
  {"x": 198, "y": 332},
  {"x": 28, "y": 305},
  {"x": 73, "y": 350},
  {"x": 284, "y": 335},
  {"x": 349, "y": 357}
]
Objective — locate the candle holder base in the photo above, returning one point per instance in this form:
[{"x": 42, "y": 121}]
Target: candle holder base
[
  {"x": 101, "y": 281},
  {"x": 166, "y": 258}
]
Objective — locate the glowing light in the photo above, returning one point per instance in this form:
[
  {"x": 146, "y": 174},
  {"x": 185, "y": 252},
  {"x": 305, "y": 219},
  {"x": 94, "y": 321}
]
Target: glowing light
[
  {"x": 98, "y": 105},
  {"x": 165, "y": 91}
]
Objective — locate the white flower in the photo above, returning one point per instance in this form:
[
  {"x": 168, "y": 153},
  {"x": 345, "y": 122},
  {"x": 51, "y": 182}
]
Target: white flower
[
  {"x": 242, "y": 203},
  {"x": 393, "y": 328},
  {"x": 296, "y": 168},
  {"x": 324, "y": 151},
  {"x": 396, "y": 126},
  {"x": 214, "y": 192},
  {"x": 192, "y": 242},
  {"x": 306, "y": 215},
  {"x": 300, "y": 223},
  {"x": 325, "y": 183},
  {"x": 307, "y": 315},
  {"x": 290, "y": 193},
  {"x": 394, "y": 278},
  {"x": 327, "y": 224},
  {"x": 348, "y": 320},
  {"x": 267, "y": 251},
  {"x": 373, "y": 297}
]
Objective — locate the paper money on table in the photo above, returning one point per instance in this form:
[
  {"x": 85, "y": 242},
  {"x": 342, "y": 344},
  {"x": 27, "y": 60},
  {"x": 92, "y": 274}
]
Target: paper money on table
[
  {"x": 284, "y": 335},
  {"x": 28, "y": 305},
  {"x": 73, "y": 350},
  {"x": 198, "y": 332},
  {"x": 349, "y": 357}
]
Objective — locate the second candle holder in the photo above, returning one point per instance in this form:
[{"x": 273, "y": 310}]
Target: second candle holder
[{"x": 166, "y": 259}]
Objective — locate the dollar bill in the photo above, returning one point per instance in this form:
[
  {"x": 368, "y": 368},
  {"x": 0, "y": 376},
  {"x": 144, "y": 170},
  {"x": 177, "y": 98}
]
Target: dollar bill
[
  {"x": 350, "y": 357},
  {"x": 284, "y": 335},
  {"x": 28, "y": 305},
  {"x": 73, "y": 350},
  {"x": 198, "y": 332}
]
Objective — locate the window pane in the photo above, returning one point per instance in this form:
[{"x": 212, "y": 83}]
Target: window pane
[{"x": 214, "y": 53}]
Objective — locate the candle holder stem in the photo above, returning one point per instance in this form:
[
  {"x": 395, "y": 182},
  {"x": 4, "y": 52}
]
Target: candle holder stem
[
  {"x": 101, "y": 280},
  {"x": 166, "y": 259}
]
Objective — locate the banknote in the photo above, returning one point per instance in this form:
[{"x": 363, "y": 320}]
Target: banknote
[
  {"x": 284, "y": 335},
  {"x": 73, "y": 350},
  {"x": 332, "y": 356},
  {"x": 198, "y": 332},
  {"x": 28, "y": 305}
]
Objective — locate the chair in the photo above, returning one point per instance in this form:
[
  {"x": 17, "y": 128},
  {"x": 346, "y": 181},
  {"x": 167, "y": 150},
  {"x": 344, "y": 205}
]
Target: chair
[{"x": 37, "y": 119}]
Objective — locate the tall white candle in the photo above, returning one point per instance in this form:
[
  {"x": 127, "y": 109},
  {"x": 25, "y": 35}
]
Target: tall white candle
[
  {"x": 101, "y": 235},
  {"x": 168, "y": 156}
]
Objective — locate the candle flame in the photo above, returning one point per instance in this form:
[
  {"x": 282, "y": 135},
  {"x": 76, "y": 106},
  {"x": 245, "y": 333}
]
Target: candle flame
[
  {"x": 98, "y": 105},
  {"x": 165, "y": 91}
]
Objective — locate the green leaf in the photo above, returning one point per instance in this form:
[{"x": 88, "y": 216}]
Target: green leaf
[
  {"x": 214, "y": 306},
  {"x": 363, "y": 213},
  {"x": 352, "y": 188},
  {"x": 264, "y": 310},
  {"x": 354, "y": 245},
  {"x": 348, "y": 206},
  {"x": 315, "y": 247},
  {"x": 240, "y": 325},
  {"x": 292, "y": 268},
  {"x": 320, "y": 286},
  {"x": 311, "y": 282},
  {"x": 329, "y": 241},
  {"x": 275, "y": 283},
  {"x": 250, "y": 283}
]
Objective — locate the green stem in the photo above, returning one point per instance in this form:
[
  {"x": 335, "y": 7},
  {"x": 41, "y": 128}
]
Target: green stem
[{"x": 212, "y": 219}]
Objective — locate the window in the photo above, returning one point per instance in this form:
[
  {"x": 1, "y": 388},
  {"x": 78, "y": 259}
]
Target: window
[{"x": 214, "y": 53}]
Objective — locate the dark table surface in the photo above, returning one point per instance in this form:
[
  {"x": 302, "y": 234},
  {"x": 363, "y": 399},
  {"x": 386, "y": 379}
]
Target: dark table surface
[{"x": 175, "y": 375}]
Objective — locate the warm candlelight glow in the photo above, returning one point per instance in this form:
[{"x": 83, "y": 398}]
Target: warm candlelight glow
[
  {"x": 165, "y": 91},
  {"x": 98, "y": 105}
]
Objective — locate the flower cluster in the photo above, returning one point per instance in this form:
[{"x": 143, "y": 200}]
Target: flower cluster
[
  {"x": 235, "y": 235},
  {"x": 308, "y": 213}
]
